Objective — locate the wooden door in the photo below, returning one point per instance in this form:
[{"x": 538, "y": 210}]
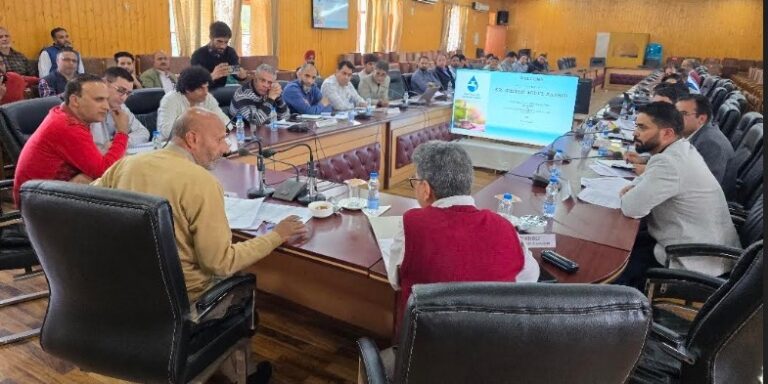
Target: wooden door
[{"x": 496, "y": 40}]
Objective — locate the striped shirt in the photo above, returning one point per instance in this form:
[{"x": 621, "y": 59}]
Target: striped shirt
[{"x": 256, "y": 108}]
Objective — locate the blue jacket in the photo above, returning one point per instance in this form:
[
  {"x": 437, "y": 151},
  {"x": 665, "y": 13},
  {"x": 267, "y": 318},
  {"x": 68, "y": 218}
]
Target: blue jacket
[
  {"x": 304, "y": 102},
  {"x": 52, "y": 51}
]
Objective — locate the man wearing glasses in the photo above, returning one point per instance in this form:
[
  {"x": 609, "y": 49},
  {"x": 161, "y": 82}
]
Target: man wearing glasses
[
  {"x": 66, "y": 68},
  {"x": 218, "y": 57},
  {"x": 120, "y": 86}
]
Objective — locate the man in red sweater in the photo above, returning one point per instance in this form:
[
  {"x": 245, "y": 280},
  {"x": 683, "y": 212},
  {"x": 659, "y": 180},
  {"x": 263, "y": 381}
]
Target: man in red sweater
[
  {"x": 449, "y": 238},
  {"x": 13, "y": 85},
  {"x": 62, "y": 148}
]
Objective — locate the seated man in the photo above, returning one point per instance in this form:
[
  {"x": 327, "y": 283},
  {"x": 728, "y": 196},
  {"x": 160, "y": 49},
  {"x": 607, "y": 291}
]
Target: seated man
[
  {"x": 218, "y": 57},
  {"x": 448, "y": 239},
  {"x": 668, "y": 92},
  {"x": 159, "y": 76},
  {"x": 521, "y": 65},
  {"x": 692, "y": 78},
  {"x": 443, "y": 73},
  {"x": 203, "y": 236},
  {"x": 509, "y": 61},
  {"x": 709, "y": 141},
  {"x": 369, "y": 62},
  {"x": 13, "y": 85},
  {"x": 46, "y": 63},
  {"x": 680, "y": 197},
  {"x": 463, "y": 62},
  {"x": 303, "y": 95},
  {"x": 339, "y": 89},
  {"x": 15, "y": 61},
  {"x": 455, "y": 65},
  {"x": 255, "y": 99},
  {"x": 540, "y": 65},
  {"x": 423, "y": 77},
  {"x": 191, "y": 90},
  {"x": 120, "y": 86},
  {"x": 66, "y": 69},
  {"x": 493, "y": 64},
  {"x": 126, "y": 61},
  {"x": 62, "y": 147},
  {"x": 376, "y": 86}
]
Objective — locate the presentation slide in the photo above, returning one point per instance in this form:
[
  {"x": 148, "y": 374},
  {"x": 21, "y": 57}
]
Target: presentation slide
[{"x": 522, "y": 108}]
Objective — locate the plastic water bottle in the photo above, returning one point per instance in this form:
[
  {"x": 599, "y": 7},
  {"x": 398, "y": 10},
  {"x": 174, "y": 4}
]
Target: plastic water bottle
[
  {"x": 240, "y": 129},
  {"x": 157, "y": 140},
  {"x": 449, "y": 91},
  {"x": 368, "y": 106},
  {"x": 405, "y": 98},
  {"x": 373, "y": 193},
  {"x": 557, "y": 163},
  {"x": 624, "y": 110},
  {"x": 550, "y": 201},
  {"x": 272, "y": 119},
  {"x": 505, "y": 206}
]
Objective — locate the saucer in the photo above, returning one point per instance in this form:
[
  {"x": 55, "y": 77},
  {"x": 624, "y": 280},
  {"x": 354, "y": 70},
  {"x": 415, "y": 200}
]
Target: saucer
[{"x": 349, "y": 203}]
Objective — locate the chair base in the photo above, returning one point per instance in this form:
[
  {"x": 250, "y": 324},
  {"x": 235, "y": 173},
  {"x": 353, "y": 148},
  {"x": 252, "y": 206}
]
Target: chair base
[
  {"x": 18, "y": 337},
  {"x": 240, "y": 353}
]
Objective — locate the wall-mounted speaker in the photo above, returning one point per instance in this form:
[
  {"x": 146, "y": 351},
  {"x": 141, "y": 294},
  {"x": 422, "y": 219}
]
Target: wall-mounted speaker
[{"x": 502, "y": 17}]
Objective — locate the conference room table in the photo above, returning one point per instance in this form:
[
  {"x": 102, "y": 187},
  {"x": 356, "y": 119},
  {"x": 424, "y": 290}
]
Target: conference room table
[{"x": 339, "y": 270}]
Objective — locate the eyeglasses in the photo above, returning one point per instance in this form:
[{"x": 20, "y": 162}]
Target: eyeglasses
[
  {"x": 121, "y": 90},
  {"x": 412, "y": 179}
]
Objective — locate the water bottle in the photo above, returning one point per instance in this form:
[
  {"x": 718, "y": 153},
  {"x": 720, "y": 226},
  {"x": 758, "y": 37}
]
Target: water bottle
[
  {"x": 240, "y": 129},
  {"x": 550, "y": 201},
  {"x": 373, "y": 193},
  {"x": 505, "y": 206},
  {"x": 405, "y": 98},
  {"x": 557, "y": 163},
  {"x": 272, "y": 119},
  {"x": 449, "y": 91},
  {"x": 157, "y": 140},
  {"x": 624, "y": 110},
  {"x": 369, "y": 106}
]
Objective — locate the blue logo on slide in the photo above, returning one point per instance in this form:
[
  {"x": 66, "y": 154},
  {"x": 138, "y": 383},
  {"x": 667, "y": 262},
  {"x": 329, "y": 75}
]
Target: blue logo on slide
[{"x": 472, "y": 84}]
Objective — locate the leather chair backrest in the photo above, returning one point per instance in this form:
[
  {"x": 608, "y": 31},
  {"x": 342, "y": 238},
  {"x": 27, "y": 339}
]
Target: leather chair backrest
[
  {"x": 357, "y": 163},
  {"x": 727, "y": 333},
  {"x": 178, "y": 64},
  {"x": 118, "y": 303},
  {"x": 94, "y": 65},
  {"x": 11, "y": 140},
  {"x": 319, "y": 81},
  {"x": 26, "y": 115},
  {"x": 728, "y": 116},
  {"x": 741, "y": 156},
  {"x": 223, "y": 95},
  {"x": 396, "y": 85},
  {"x": 252, "y": 62},
  {"x": 750, "y": 177},
  {"x": 738, "y": 99},
  {"x": 753, "y": 229},
  {"x": 748, "y": 120},
  {"x": 561, "y": 64},
  {"x": 718, "y": 97},
  {"x": 708, "y": 85},
  {"x": 355, "y": 80},
  {"x": 143, "y": 103},
  {"x": 283, "y": 83},
  {"x": 517, "y": 332}
]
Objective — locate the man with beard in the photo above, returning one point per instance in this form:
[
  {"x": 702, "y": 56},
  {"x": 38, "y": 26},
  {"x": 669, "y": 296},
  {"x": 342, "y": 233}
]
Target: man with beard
[
  {"x": 423, "y": 78},
  {"x": 218, "y": 57},
  {"x": 46, "y": 63},
  {"x": 203, "y": 236},
  {"x": 303, "y": 95},
  {"x": 679, "y": 196}
]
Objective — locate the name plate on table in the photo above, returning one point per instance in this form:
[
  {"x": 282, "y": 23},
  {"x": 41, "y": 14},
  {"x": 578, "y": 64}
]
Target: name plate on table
[{"x": 545, "y": 240}]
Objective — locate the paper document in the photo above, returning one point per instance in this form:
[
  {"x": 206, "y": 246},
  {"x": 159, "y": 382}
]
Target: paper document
[
  {"x": 603, "y": 191},
  {"x": 544, "y": 240},
  {"x": 617, "y": 164},
  {"x": 284, "y": 123},
  {"x": 605, "y": 170},
  {"x": 628, "y": 125},
  {"x": 242, "y": 213},
  {"x": 382, "y": 209},
  {"x": 140, "y": 148},
  {"x": 274, "y": 213},
  {"x": 310, "y": 117},
  {"x": 385, "y": 229}
]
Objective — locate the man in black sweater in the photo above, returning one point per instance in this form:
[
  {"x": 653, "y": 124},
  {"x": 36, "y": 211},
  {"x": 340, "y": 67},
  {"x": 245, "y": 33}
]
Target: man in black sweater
[{"x": 218, "y": 57}]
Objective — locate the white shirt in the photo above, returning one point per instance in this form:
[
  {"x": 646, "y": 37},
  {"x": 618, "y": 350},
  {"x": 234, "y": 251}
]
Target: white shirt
[
  {"x": 44, "y": 64},
  {"x": 103, "y": 132},
  {"x": 168, "y": 85},
  {"x": 529, "y": 273},
  {"x": 341, "y": 98},
  {"x": 684, "y": 204},
  {"x": 173, "y": 104}
]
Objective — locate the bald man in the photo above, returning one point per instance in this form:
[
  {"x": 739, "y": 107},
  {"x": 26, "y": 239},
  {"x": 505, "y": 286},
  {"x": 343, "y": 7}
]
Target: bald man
[
  {"x": 203, "y": 236},
  {"x": 159, "y": 76}
]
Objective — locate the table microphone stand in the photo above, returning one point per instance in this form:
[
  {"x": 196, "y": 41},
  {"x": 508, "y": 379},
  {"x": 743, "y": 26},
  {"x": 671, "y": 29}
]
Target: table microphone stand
[
  {"x": 312, "y": 194},
  {"x": 262, "y": 190}
]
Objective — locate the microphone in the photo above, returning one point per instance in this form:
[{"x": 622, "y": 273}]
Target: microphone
[
  {"x": 311, "y": 193},
  {"x": 262, "y": 190},
  {"x": 541, "y": 180}
]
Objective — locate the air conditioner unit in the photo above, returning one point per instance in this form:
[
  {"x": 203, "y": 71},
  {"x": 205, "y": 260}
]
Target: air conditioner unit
[
  {"x": 478, "y": 6},
  {"x": 427, "y": 1}
]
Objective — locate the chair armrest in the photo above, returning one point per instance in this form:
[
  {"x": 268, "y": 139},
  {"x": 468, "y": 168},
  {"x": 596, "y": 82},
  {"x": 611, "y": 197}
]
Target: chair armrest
[
  {"x": 672, "y": 343},
  {"x": 689, "y": 286},
  {"x": 371, "y": 361},
  {"x": 696, "y": 249},
  {"x": 737, "y": 211},
  {"x": 214, "y": 295}
]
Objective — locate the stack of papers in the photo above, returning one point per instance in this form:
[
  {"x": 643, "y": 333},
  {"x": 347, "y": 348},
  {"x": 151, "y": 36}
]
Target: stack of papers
[
  {"x": 385, "y": 229},
  {"x": 603, "y": 191},
  {"x": 250, "y": 214},
  {"x": 607, "y": 170}
]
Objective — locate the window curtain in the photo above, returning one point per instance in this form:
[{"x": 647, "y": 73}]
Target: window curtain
[
  {"x": 383, "y": 25},
  {"x": 454, "y": 27}
]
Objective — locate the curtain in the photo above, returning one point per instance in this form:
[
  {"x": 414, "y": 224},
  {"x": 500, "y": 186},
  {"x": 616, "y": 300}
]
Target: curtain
[
  {"x": 261, "y": 27},
  {"x": 193, "y": 17},
  {"x": 455, "y": 27},
  {"x": 383, "y": 24}
]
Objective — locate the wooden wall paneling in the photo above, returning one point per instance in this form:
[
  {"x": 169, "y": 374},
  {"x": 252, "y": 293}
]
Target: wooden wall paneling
[{"x": 700, "y": 28}]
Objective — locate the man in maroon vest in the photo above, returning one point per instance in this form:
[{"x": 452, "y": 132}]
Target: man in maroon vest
[{"x": 448, "y": 238}]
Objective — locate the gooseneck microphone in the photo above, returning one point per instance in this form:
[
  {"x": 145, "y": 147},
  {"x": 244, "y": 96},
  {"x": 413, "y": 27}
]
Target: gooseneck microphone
[{"x": 262, "y": 190}]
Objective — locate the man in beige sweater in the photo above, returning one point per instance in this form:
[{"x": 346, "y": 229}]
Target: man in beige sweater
[{"x": 180, "y": 174}]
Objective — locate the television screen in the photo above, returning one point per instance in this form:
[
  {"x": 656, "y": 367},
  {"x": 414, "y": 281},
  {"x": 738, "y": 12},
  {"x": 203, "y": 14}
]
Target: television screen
[
  {"x": 523, "y": 108},
  {"x": 332, "y": 14}
]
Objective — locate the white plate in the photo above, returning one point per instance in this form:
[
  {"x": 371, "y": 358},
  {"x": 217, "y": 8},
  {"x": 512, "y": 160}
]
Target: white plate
[{"x": 347, "y": 203}]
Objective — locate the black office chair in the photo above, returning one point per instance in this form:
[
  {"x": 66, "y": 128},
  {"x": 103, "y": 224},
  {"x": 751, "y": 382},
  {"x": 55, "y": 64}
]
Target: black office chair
[
  {"x": 16, "y": 253},
  {"x": 224, "y": 96},
  {"x": 724, "y": 341},
  {"x": 143, "y": 103},
  {"x": 26, "y": 115},
  {"x": 707, "y": 86},
  {"x": 727, "y": 118},
  {"x": 407, "y": 82},
  {"x": 748, "y": 120},
  {"x": 738, "y": 99},
  {"x": 718, "y": 97},
  {"x": 507, "y": 332},
  {"x": 748, "y": 178},
  {"x": 355, "y": 80},
  {"x": 396, "y": 85},
  {"x": 742, "y": 157},
  {"x": 118, "y": 304},
  {"x": 11, "y": 142}
]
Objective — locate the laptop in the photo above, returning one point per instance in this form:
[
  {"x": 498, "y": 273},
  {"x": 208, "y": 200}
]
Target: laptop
[{"x": 426, "y": 97}]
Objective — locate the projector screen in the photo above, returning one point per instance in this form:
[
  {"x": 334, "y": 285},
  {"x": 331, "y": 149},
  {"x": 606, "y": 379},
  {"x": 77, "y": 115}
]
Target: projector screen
[
  {"x": 331, "y": 14},
  {"x": 523, "y": 108}
]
